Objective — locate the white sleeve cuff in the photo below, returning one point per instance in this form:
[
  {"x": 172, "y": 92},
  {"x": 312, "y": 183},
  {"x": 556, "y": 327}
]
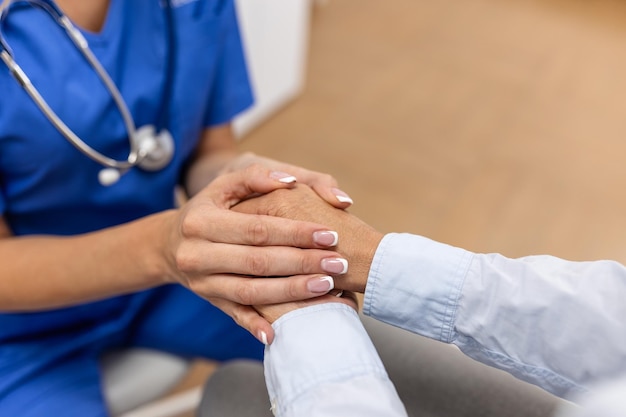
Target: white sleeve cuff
[
  {"x": 415, "y": 283},
  {"x": 313, "y": 347}
]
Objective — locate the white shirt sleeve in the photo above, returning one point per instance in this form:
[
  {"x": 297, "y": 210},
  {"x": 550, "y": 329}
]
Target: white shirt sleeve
[
  {"x": 323, "y": 364},
  {"x": 606, "y": 400},
  {"x": 555, "y": 323}
]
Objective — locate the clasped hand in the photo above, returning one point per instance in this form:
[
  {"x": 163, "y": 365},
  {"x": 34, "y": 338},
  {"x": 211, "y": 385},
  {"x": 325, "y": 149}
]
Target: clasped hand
[{"x": 237, "y": 258}]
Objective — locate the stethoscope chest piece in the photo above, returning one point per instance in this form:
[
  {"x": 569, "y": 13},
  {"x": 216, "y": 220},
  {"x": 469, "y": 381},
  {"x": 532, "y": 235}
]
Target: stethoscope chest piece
[
  {"x": 156, "y": 150},
  {"x": 153, "y": 152}
]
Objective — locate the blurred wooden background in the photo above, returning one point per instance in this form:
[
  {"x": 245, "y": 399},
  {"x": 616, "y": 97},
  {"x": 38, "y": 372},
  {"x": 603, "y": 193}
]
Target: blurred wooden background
[
  {"x": 494, "y": 125},
  {"x": 490, "y": 124}
]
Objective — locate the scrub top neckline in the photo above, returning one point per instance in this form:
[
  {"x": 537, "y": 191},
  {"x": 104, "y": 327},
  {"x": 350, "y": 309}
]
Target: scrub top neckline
[{"x": 111, "y": 21}]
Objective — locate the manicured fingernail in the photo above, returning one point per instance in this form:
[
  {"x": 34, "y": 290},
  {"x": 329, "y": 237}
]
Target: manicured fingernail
[
  {"x": 326, "y": 238},
  {"x": 282, "y": 177},
  {"x": 321, "y": 285},
  {"x": 341, "y": 196},
  {"x": 339, "y": 294},
  {"x": 263, "y": 337},
  {"x": 335, "y": 265}
]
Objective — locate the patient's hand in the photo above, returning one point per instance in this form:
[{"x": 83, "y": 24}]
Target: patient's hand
[
  {"x": 273, "y": 312},
  {"x": 357, "y": 240}
]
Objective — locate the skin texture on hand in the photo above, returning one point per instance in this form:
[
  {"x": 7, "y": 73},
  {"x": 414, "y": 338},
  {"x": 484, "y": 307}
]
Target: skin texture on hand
[
  {"x": 220, "y": 254},
  {"x": 357, "y": 240}
]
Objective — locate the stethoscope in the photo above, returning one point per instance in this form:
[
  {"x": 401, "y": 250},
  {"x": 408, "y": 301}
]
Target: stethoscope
[{"x": 151, "y": 148}]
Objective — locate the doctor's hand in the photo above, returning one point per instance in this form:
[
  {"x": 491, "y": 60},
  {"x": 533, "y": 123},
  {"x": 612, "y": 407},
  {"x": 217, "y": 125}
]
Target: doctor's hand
[
  {"x": 217, "y": 252},
  {"x": 357, "y": 240},
  {"x": 324, "y": 185}
]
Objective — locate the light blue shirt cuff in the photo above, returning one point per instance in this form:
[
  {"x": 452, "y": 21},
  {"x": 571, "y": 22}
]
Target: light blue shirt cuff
[
  {"x": 415, "y": 284},
  {"x": 309, "y": 352}
]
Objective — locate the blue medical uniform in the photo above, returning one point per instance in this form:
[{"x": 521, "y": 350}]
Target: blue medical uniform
[{"x": 49, "y": 360}]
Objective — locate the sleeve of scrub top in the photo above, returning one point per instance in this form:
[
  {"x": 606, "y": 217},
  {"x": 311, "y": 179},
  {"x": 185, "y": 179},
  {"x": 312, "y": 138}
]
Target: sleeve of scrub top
[
  {"x": 555, "y": 323},
  {"x": 323, "y": 364},
  {"x": 231, "y": 93}
]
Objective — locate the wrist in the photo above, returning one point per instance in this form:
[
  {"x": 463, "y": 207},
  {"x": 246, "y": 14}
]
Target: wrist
[
  {"x": 205, "y": 169},
  {"x": 158, "y": 260},
  {"x": 360, "y": 253}
]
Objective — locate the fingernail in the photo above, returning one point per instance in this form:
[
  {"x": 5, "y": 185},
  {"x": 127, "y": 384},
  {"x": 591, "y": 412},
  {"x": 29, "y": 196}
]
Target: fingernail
[
  {"x": 326, "y": 238},
  {"x": 263, "y": 337},
  {"x": 335, "y": 265},
  {"x": 341, "y": 196},
  {"x": 321, "y": 284},
  {"x": 339, "y": 294},
  {"x": 282, "y": 177}
]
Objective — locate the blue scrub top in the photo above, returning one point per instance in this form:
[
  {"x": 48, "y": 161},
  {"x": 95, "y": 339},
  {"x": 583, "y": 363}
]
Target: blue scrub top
[{"x": 49, "y": 187}]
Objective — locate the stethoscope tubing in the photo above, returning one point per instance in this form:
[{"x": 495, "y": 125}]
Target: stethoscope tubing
[
  {"x": 34, "y": 94},
  {"x": 136, "y": 153}
]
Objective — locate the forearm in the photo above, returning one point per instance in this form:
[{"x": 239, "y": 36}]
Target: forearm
[
  {"x": 43, "y": 272},
  {"x": 209, "y": 165},
  {"x": 532, "y": 317},
  {"x": 206, "y": 168},
  {"x": 560, "y": 322},
  {"x": 216, "y": 152},
  {"x": 322, "y": 363}
]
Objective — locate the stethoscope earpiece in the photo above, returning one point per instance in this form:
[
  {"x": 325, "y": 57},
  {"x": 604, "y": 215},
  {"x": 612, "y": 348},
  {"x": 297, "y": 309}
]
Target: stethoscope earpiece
[{"x": 109, "y": 176}]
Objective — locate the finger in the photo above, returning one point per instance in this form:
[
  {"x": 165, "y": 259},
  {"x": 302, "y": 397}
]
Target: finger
[
  {"x": 229, "y": 189},
  {"x": 194, "y": 258},
  {"x": 259, "y": 291},
  {"x": 325, "y": 186},
  {"x": 333, "y": 196},
  {"x": 248, "y": 318},
  {"x": 232, "y": 227}
]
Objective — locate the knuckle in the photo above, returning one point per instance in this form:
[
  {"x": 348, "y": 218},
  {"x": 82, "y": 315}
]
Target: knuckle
[
  {"x": 293, "y": 292},
  {"x": 185, "y": 260},
  {"x": 304, "y": 264},
  {"x": 282, "y": 209},
  {"x": 283, "y": 203},
  {"x": 189, "y": 225},
  {"x": 258, "y": 233},
  {"x": 254, "y": 169},
  {"x": 329, "y": 179},
  {"x": 196, "y": 286},
  {"x": 258, "y": 264},
  {"x": 246, "y": 294},
  {"x": 310, "y": 261}
]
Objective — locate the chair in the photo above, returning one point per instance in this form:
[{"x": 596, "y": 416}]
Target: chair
[{"x": 133, "y": 378}]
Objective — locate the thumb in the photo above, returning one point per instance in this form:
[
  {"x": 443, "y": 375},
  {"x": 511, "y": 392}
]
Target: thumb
[{"x": 229, "y": 189}]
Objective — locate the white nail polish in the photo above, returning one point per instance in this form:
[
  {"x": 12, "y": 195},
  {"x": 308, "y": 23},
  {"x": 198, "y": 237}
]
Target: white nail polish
[
  {"x": 336, "y": 235},
  {"x": 263, "y": 338},
  {"x": 330, "y": 280},
  {"x": 344, "y": 199},
  {"x": 287, "y": 180},
  {"x": 343, "y": 262},
  {"x": 339, "y": 294},
  {"x": 282, "y": 177},
  {"x": 321, "y": 238}
]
